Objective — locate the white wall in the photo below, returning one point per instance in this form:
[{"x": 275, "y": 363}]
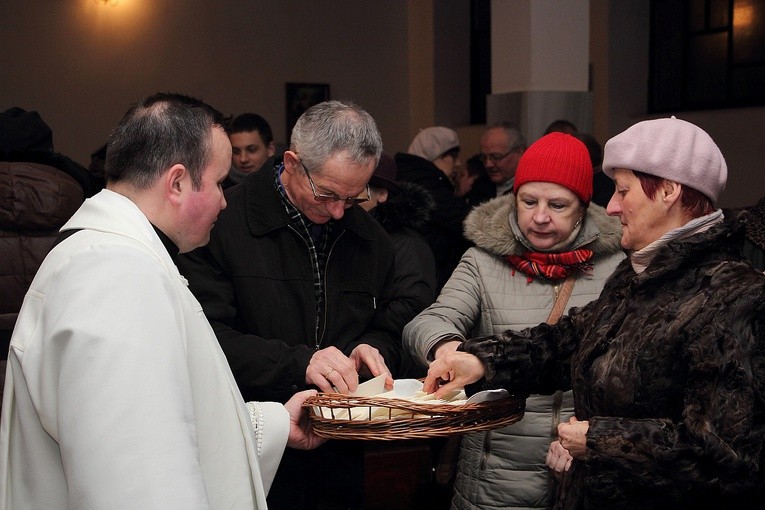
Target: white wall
[
  {"x": 540, "y": 45},
  {"x": 540, "y": 64}
]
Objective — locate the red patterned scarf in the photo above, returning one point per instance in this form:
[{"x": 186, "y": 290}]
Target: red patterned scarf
[{"x": 552, "y": 266}]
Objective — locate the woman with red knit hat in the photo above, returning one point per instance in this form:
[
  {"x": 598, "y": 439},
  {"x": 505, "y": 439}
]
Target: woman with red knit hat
[{"x": 537, "y": 252}]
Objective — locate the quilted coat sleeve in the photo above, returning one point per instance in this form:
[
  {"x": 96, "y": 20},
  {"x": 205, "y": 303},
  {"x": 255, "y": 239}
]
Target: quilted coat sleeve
[{"x": 454, "y": 313}]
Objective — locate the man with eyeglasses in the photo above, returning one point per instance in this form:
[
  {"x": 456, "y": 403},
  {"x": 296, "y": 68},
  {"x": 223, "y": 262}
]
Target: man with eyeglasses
[
  {"x": 294, "y": 280},
  {"x": 502, "y": 145}
]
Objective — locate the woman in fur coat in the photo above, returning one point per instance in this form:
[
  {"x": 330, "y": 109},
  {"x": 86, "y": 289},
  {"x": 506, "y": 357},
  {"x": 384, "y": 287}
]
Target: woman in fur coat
[
  {"x": 668, "y": 365},
  {"x": 527, "y": 244}
]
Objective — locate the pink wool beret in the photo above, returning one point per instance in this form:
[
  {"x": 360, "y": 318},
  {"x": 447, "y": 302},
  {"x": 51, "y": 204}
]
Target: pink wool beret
[{"x": 670, "y": 148}]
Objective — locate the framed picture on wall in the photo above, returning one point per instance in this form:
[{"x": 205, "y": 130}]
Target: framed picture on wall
[{"x": 300, "y": 97}]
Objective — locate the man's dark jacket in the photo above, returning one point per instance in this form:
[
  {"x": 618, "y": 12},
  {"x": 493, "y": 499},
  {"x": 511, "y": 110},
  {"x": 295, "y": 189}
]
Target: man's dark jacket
[
  {"x": 403, "y": 216},
  {"x": 256, "y": 286}
]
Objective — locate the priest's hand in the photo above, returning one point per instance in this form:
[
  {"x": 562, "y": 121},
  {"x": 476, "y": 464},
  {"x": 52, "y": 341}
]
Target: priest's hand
[{"x": 301, "y": 434}]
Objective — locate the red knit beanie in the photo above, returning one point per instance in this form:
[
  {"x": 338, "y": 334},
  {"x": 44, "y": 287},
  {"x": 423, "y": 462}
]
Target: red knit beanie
[{"x": 558, "y": 158}]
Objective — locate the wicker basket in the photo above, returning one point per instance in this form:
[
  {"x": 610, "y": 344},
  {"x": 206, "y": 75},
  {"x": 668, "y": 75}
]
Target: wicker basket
[{"x": 388, "y": 419}]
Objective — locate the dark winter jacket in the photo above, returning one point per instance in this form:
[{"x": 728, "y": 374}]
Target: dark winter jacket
[
  {"x": 668, "y": 367},
  {"x": 41, "y": 189},
  {"x": 255, "y": 283},
  {"x": 482, "y": 191},
  {"x": 403, "y": 215},
  {"x": 444, "y": 230},
  {"x": 602, "y": 189}
]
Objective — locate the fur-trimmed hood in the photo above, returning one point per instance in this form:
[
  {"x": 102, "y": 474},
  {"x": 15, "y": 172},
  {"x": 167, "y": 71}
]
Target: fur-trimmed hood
[
  {"x": 488, "y": 226},
  {"x": 411, "y": 208}
]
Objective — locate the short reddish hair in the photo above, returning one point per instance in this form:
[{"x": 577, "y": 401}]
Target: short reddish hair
[{"x": 692, "y": 201}]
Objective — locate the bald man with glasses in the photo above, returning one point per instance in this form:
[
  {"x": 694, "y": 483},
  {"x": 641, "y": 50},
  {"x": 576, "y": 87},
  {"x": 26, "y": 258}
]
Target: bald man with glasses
[{"x": 294, "y": 280}]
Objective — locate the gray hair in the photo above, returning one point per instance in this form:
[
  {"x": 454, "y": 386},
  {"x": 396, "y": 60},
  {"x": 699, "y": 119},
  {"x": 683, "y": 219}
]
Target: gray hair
[
  {"x": 515, "y": 138},
  {"x": 331, "y": 127},
  {"x": 162, "y": 130}
]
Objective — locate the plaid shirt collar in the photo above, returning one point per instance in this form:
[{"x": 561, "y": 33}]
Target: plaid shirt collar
[{"x": 316, "y": 237}]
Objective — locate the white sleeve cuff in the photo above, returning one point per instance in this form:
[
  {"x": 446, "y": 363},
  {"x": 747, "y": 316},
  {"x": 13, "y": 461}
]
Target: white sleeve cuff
[{"x": 271, "y": 424}]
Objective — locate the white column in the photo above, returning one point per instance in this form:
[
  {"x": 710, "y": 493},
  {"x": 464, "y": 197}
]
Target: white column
[{"x": 540, "y": 63}]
